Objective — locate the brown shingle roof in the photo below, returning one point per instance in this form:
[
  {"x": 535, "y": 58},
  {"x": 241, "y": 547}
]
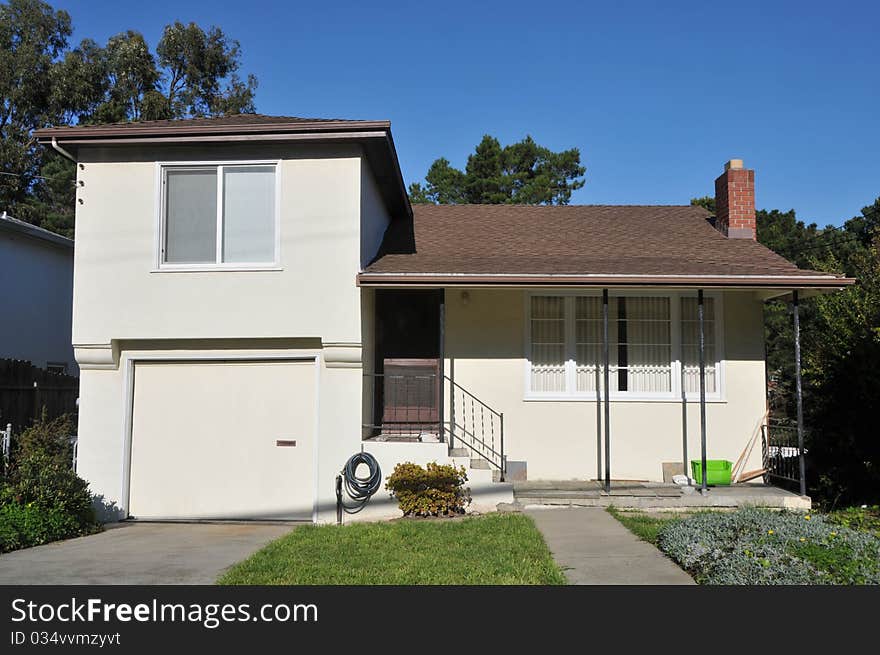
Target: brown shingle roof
[{"x": 587, "y": 240}]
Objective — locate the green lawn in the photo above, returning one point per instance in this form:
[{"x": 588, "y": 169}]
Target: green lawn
[
  {"x": 643, "y": 526},
  {"x": 484, "y": 550}
]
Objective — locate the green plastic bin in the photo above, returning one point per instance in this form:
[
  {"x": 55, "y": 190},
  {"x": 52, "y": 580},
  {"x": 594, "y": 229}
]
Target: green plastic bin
[{"x": 719, "y": 471}]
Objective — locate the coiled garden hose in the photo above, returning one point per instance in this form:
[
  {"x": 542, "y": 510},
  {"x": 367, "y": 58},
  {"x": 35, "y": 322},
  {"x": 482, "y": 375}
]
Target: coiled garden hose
[{"x": 359, "y": 488}]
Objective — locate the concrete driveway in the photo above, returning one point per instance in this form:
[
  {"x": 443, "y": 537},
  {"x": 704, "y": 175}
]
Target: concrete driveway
[{"x": 140, "y": 553}]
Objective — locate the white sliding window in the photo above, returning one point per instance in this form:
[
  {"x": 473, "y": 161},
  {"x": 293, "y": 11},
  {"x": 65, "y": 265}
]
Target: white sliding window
[
  {"x": 690, "y": 345},
  {"x": 190, "y": 216},
  {"x": 218, "y": 215}
]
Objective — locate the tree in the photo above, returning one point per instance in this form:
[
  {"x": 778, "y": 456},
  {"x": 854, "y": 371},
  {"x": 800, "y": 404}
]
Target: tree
[
  {"x": 32, "y": 36},
  {"x": 840, "y": 336},
  {"x": 196, "y": 63},
  {"x": 520, "y": 173},
  {"x": 193, "y": 73},
  {"x": 706, "y": 202},
  {"x": 842, "y": 356}
]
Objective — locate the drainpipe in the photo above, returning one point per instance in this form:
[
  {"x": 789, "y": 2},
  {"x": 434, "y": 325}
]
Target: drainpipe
[
  {"x": 606, "y": 357},
  {"x": 62, "y": 151}
]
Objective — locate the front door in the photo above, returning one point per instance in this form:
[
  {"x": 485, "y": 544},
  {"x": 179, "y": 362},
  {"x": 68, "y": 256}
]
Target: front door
[{"x": 408, "y": 362}]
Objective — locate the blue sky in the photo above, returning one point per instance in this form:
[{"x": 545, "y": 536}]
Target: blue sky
[{"x": 657, "y": 95}]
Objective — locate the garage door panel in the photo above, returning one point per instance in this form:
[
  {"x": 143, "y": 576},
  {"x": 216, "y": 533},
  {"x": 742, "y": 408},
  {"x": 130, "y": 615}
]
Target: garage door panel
[{"x": 204, "y": 440}]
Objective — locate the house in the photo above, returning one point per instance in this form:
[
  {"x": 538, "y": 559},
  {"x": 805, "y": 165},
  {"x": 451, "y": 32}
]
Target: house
[
  {"x": 36, "y": 267},
  {"x": 256, "y": 300}
]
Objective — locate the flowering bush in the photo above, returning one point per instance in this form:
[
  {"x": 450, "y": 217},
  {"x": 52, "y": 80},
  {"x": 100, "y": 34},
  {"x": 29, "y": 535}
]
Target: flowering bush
[{"x": 760, "y": 547}]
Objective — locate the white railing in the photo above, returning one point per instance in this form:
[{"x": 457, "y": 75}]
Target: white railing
[{"x": 6, "y": 446}]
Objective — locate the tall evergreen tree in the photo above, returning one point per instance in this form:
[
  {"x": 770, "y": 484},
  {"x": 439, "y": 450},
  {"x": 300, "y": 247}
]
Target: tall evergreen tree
[{"x": 520, "y": 173}]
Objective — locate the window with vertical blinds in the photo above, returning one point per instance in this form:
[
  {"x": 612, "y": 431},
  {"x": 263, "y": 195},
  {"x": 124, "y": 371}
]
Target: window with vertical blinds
[
  {"x": 690, "y": 345},
  {"x": 548, "y": 344},
  {"x": 653, "y": 345},
  {"x": 218, "y": 215}
]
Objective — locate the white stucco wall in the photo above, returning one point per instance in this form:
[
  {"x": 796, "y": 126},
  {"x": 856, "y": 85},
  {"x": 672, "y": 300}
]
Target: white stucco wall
[
  {"x": 37, "y": 300},
  {"x": 119, "y": 294},
  {"x": 374, "y": 216},
  {"x": 125, "y": 309},
  {"x": 486, "y": 349}
]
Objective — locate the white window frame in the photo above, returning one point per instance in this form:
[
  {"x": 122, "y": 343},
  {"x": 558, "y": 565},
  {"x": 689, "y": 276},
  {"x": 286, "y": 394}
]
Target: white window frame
[
  {"x": 675, "y": 395},
  {"x": 160, "y": 266}
]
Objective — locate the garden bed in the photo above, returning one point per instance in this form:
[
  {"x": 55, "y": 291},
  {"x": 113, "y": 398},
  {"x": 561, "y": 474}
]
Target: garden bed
[
  {"x": 753, "y": 546},
  {"x": 484, "y": 550}
]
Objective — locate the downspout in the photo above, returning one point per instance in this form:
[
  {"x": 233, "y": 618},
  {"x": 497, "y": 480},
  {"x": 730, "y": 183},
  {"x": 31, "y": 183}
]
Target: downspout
[{"x": 62, "y": 151}]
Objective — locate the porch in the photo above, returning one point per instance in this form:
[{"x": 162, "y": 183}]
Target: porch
[
  {"x": 457, "y": 368},
  {"x": 653, "y": 496}
]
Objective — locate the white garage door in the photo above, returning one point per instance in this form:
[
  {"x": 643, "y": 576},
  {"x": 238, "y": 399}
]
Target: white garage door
[{"x": 214, "y": 440}]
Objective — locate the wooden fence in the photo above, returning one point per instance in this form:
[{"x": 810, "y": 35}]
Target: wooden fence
[{"x": 25, "y": 390}]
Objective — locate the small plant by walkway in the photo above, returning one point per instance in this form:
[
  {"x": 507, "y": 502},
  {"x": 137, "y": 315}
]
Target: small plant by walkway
[
  {"x": 484, "y": 550},
  {"x": 753, "y": 546}
]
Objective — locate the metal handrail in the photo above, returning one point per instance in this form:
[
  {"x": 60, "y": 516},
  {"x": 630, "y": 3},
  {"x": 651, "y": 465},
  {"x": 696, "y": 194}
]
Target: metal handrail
[
  {"x": 781, "y": 451},
  {"x": 477, "y": 426},
  {"x": 478, "y": 443}
]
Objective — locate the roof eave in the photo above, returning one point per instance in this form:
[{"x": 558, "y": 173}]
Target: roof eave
[
  {"x": 128, "y": 130},
  {"x": 35, "y": 232},
  {"x": 374, "y": 136},
  {"x": 368, "y": 279}
]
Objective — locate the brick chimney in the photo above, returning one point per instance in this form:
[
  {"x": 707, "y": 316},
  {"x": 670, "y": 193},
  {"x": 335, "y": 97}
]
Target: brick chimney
[{"x": 735, "y": 201}]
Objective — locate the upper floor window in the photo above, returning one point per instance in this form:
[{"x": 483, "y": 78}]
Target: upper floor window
[
  {"x": 652, "y": 345},
  {"x": 219, "y": 215}
]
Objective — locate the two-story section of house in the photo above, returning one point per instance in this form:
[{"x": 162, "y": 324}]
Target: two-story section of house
[{"x": 217, "y": 323}]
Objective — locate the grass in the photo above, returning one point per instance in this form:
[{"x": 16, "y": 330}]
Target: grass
[
  {"x": 863, "y": 519},
  {"x": 484, "y": 550},
  {"x": 641, "y": 525}
]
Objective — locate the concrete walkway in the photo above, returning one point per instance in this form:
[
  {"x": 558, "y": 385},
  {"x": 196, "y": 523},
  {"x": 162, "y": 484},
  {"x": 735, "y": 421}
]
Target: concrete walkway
[
  {"x": 593, "y": 547},
  {"x": 140, "y": 553}
]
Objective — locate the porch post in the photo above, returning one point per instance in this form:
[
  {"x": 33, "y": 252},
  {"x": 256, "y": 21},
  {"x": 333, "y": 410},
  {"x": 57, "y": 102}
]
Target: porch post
[
  {"x": 705, "y": 475},
  {"x": 799, "y": 390},
  {"x": 607, "y": 377},
  {"x": 441, "y": 370},
  {"x": 598, "y": 424}
]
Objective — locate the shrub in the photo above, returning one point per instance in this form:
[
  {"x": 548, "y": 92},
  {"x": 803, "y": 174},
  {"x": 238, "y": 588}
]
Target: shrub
[
  {"x": 49, "y": 483},
  {"x": 434, "y": 490},
  {"x": 760, "y": 547},
  {"x": 22, "y": 526},
  {"x": 42, "y": 499},
  {"x": 51, "y": 437}
]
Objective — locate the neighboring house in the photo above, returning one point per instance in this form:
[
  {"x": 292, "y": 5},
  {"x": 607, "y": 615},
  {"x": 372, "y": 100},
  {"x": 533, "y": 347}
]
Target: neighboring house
[
  {"x": 256, "y": 300},
  {"x": 36, "y": 267}
]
